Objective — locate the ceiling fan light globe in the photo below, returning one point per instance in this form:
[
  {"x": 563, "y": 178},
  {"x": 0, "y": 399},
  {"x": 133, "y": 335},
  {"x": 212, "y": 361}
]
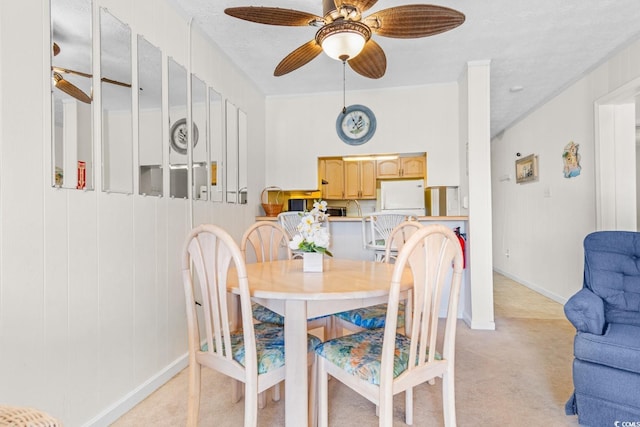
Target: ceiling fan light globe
[
  {"x": 343, "y": 40},
  {"x": 343, "y": 45}
]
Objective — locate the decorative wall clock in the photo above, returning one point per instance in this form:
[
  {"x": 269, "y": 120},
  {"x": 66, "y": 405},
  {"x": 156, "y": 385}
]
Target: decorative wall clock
[
  {"x": 178, "y": 135},
  {"x": 356, "y": 124}
]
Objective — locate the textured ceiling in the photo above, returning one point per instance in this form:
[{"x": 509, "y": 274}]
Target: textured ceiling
[{"x": 541, "y": 45}]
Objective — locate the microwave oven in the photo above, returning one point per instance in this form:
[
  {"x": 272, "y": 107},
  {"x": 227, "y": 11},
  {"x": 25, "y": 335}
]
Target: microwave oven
[{"x": 297, "y": 205}]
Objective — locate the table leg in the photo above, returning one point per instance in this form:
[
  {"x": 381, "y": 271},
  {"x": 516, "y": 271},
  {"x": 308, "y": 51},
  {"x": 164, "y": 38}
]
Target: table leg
[{"x": 295, "y": 355}]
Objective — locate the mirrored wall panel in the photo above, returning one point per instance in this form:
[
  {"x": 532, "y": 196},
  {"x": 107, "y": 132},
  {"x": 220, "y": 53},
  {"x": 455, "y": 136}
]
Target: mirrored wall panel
[
  {"x": 242, "y": 157},
  {"x": 71, "y": 95},
  {"x": 178, "y": 181},
  {"x": 216, "y": 145},
  {"x": 200, "y": 153},
  {"x": 231, "y": 151},
  {"x": 117, "y": 118},
  {"x": 149, "y": 118}
]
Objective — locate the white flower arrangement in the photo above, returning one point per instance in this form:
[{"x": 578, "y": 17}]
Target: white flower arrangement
[{"x": 312, "y": 236}]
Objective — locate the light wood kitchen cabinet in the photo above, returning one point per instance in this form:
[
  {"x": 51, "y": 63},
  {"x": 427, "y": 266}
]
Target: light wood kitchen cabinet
[
  {"x": 332, "y": 173},
  {"x": 360, "y": 179},
  {"x": 402, "y": 167}
]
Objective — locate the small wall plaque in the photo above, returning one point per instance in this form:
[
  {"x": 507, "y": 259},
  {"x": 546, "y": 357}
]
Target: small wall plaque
[{"x": 527, "y": 169}]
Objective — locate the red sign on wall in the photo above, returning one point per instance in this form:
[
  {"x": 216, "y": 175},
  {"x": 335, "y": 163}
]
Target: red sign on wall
[{"x": 82, "y": 174}]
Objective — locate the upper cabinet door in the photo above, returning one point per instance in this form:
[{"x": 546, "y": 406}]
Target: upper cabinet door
[
  {"x": 352, "y": 181},
  {"x": 332, "y": 178},
  {"x": 413, "y": 167},
  {"x": 388, "y": 168},
  {"x": 402, "y": 167},
  {"x": 360, "y": 179},
  {"x": 368, "y": 179}
]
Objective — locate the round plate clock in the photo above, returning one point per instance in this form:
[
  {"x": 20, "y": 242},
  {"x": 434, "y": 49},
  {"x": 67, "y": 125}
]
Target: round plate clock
[
  {"x": 178, "y": 136},
  {"x": 356, "y": 125}
]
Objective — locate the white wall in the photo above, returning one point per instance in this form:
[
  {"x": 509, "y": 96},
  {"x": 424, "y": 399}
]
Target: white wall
[
  {"x": 302, "y": 128},
  {"x": 91, "y": 300},
  {"x": 542, "y": 224}
]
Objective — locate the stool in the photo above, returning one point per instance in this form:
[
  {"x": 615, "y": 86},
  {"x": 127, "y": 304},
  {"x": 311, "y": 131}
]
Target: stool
[{"x": 26, "y": 417}]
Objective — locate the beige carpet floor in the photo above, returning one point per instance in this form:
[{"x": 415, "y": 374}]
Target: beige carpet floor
[{"x": 517, "y": 375}]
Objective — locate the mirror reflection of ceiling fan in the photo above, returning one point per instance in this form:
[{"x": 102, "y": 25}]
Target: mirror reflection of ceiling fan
[
  {"x": 345, "y": 34},
  {"x": 69, "y": 88}
]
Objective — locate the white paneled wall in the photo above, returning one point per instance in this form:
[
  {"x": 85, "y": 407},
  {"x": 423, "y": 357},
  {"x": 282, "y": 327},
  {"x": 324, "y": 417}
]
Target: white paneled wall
[{"x": 91, "y": 300}]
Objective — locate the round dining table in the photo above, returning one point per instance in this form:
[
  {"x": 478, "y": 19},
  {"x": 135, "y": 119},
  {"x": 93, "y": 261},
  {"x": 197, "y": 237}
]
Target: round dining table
[{"x": 285, "y": 288}]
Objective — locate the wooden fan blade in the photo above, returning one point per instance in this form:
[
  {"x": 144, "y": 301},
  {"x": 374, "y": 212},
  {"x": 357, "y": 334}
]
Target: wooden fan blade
[
  {"x": 371, "y": 62},
  {"x": 68, "y": 71},
  {"x": 361, "y": 5},
  {"x": 273, "y": 16},
  {"x": 114, "y": 82},
  {"x": 298, "y": 58},
  {"x": 80, "y": 73},
  {"x": 70, "y": 89},
  {"x": 56, "y": 49},
  {"x": 413, "y": 21}
]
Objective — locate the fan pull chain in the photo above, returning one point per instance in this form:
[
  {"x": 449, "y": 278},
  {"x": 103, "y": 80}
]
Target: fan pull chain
[{"x": 344, "y": 87}]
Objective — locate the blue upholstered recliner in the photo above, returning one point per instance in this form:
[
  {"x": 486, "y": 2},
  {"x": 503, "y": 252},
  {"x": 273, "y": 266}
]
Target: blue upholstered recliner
[{"x": 606, "y": 314}]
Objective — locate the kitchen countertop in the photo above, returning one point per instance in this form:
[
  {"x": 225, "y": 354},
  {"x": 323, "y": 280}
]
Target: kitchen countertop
[{"x": 359, "y": 219}]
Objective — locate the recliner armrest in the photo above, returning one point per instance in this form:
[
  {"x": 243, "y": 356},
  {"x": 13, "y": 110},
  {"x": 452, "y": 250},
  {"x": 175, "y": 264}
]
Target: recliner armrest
[{"x": 585, "y": 310}]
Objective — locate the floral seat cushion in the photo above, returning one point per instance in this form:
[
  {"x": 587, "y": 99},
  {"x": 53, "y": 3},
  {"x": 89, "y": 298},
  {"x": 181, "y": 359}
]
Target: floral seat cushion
[
  {"x": 360, "y": 354},
  {"x": 264, "y": 315},
  {"x": 371, "y": 317},
  {"x": 269, "y": 346}
]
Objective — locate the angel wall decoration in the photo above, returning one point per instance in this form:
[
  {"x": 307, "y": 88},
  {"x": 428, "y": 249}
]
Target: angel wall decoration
[{"x": 571, "y": 160}]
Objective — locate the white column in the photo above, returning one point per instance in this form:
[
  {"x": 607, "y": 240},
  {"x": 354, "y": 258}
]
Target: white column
[{"x": 480, "y": 261}]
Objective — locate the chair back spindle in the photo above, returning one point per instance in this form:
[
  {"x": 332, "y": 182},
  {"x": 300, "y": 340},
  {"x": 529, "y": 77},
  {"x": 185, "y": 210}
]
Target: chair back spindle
[{"x": 265, "y": 241}]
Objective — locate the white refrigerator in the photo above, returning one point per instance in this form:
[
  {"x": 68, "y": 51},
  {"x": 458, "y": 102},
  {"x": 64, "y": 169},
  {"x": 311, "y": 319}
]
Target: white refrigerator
[{"x": 402, "y": 196}]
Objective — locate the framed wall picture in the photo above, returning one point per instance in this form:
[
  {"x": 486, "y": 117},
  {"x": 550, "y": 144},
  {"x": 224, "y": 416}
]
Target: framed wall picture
[{"x": 527, "y": 169}]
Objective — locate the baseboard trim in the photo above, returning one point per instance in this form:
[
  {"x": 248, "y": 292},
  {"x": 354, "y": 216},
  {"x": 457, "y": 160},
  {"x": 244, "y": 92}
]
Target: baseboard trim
[
  {"x": 533, "y": 287},
  {"x": 131, "y": 399},
  {"x": 485, "y": 326}
]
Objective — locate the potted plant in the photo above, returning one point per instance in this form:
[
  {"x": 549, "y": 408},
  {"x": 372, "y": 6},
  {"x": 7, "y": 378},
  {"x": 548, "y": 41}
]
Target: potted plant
[{"x": 313, "y": 237}]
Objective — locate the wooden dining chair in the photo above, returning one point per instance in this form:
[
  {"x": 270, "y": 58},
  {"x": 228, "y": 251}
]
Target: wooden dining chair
[
  {"x": 398, "y": 237},
  {"x": 267, "y": 241},
  {"x": 289, "y": 221},
  {"x": 376, "y": 229},
  {"x": 253, "y": 355},
  {"x": 380, "y": 363},
  {"x": 374, "y": 317}
]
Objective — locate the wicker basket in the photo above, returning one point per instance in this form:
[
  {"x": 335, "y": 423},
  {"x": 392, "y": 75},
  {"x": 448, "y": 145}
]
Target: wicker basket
[
  {"x": 271, "y": 209},
  {"x": 23, "y": 417}
]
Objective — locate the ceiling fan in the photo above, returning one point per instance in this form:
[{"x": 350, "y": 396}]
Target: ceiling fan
[
  {"x": 345, "y": 34},
  {"x": 71, "y": 89}
]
